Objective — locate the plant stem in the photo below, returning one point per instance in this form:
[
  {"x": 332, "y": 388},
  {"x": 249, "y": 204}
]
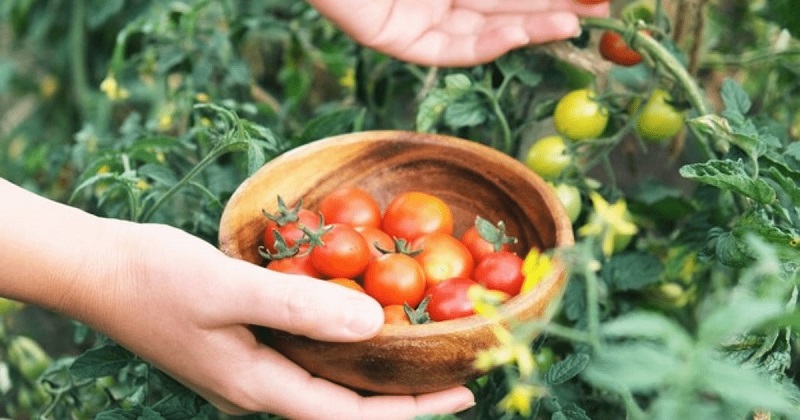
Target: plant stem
[
  {"x": 663, "y": 57},
  {"x": 77, "y": 49}
]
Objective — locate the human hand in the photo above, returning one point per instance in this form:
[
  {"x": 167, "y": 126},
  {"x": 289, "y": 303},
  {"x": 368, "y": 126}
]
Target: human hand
[
  {"x": 193, "y": 307},
  {"x": 179, "y": 303},
  {"x": 455, "y": 32}
]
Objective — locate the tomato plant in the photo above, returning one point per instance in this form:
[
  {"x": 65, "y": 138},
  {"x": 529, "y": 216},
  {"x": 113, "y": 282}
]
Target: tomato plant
[
  {"x": 549, "y": 156},
  {"x": 578, "y": 116},
  {"x": 352, "y": 206},
  {"x": 442, "y": 256},
  {"x": 395, "y": 279},
  {"x": 413, "y": 214}
]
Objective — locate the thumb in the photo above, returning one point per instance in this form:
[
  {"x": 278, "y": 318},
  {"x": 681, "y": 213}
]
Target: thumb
[{"x": 301, "y": 305}]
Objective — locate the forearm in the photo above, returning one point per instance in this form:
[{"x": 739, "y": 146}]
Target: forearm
[{"x": 53, "y": 255}]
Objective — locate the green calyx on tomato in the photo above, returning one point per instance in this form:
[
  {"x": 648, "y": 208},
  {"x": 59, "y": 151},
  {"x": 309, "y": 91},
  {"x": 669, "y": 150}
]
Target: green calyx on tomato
[
  {"x": 549, "y": 156},
  {"x": 578, "y": 116},
  {"x": 484, "y": 238},
  {"x": 657, "y": 120}
]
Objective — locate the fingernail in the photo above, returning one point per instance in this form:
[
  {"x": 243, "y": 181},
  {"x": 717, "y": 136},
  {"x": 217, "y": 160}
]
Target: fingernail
[
  {"x": 466, "y": 406},
  {"x": 364, "y": 317}
]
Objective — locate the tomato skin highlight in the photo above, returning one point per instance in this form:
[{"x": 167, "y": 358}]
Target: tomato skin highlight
[
  {"x": 413, "y": 214},
  {"x": 352, "y": 206},
  {"x": 450, "y": 299},
  {"x": 613, "y": 48},
  {"x": 395, "y": 279},
  {"x": 443, "y": 257},
  {"x": 578, "y": 116},
  {"x": 344, "y": 253},
  {"x": 395, "y": 315},
  {"x": 376, "y": 238},
  {"x": 290, "y": 232},
  {"x": 501, "y": 271}
]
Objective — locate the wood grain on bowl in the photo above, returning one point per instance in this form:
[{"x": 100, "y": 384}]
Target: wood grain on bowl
[{"x": 471, "y": 178}]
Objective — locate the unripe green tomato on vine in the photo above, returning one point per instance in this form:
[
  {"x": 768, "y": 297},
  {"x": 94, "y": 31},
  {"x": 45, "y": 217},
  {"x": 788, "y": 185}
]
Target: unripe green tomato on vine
[
  {"x": 570, "y": 197},
  {"x": 548, "y": 156},
  {"x": 658, "y": 120},
  {"x": 578, "y": 116}
]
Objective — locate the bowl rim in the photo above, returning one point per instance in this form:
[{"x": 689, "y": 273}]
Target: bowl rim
[{"x": 507, "y": 311}]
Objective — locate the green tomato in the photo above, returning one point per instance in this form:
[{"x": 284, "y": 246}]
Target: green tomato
[
  {"x": 548, "y": 156},
  {"x": 545, "y": 357},
  {"x": 28, "y": 356},
  {"x": 570, "y": 197},
  {"x": 578, "y": 116},
  {"x": 658, "y": 120},
  {"x": 8, "y": 306}
]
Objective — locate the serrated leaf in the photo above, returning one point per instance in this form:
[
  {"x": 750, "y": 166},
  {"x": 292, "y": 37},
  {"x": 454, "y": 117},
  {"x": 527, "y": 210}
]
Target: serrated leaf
[
  {"x": 736, "y": 317},
  {"x": 732, "y": 251},
  {"x": 328, "y": 124},
  {"x": 119, "y": 414},
  {"x": 159, "y": 173},
  {"x": 734, "y": 97},
  {"x": 730, "y": 175},
  {"x": 457, "y": 84},
  {"x": 100, "y": 362},
  {"x": 649, "y": 326},
  {"x": 746, "y": 387},
  {"x": 434, "y": 105},
  {"x": 566, "y": 369},
  {"x": 465, "y": 113},
  {"x": 571, "y": 412},
  {"x": 255, "y": 158},
  {"x": 632, "y": 271}
]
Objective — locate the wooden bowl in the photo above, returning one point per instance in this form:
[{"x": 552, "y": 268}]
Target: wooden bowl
[{"x": 472, "y": 178}]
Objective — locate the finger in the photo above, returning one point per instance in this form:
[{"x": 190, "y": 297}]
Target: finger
[
  {"x": 260, "y": 391},
  {"x": 300, "y": 305},
  {"x": 499, "y": 35},
  {"x": 489, "y": 7}
]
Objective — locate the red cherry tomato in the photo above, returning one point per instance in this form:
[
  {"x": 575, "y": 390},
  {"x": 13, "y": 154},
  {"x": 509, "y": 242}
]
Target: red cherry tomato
[
  {"x": 478, "y": 246},
  {"x": 443, "y": 257},
  {"x": 395, "y": 315},
  {"x": 290, "y": 231},
  {"x": 376, "y": 238},
  {"x": 299, "y": 264},
  {"x": 613, "y": 48},
  {"x": 395, "y": 279},
  {"x": 343, "y": 253},
  {"x": 413, "y": 214},
  {"x": 501, "y": 271},
  {"x": 352, "y": 206},
  {"x": 349, "y": 283},
  {"x": 450, "y": 299}
]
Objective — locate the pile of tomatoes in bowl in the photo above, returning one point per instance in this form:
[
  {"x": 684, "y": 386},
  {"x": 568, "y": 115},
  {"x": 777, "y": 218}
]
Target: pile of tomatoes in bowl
[{"x": 405, "y": 256}]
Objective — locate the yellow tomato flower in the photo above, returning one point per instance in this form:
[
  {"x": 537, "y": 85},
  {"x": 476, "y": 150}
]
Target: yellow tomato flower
[
  {"x": 609, "y": 222},
  {"x": 113, "y": 90},
  {"x": 348, "y": 79},
  {"x": 519, "y": 398},
  {"x": 535, "y": 267}
]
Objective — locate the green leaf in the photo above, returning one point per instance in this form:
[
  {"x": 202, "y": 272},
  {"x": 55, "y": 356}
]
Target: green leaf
[
  {"x": 566, "y": 369},
  {"x": 730, "y": 175},
  {"x": 465, "y": 113},
  {"x": 102, "y": 10},
  {"x": 745, "y": 387},
  {"x": 120, "y": 414},
  {"x": 734, "y": 97},
  {"x": 632, "y": 270},
  {"x": 101, "y": 361},
  {"x": 330, "y": 124},
  {"x": 434, "y": 105},
  {"x": 652, "y": 327},
  {"x": 159, "y": 173},
  {"x": 738, "y": 316},
  {"x": 660, "y": 202},
  {"x": 571, "y": 412},
  {"x": 255, "y": 157},
  {"x": 637, "y": 366},
  {"x": 732, "y": 251},
  {"x": 784, "y": 13}
]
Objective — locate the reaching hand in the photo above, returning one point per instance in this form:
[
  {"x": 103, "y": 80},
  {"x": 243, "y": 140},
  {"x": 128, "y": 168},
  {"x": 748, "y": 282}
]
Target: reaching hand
[{"x": 455, "y": 32}]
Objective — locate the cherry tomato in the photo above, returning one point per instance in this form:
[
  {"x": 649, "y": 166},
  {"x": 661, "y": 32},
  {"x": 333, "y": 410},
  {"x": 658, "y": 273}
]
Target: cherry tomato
[
  {"x": 349, "y": 283},
  {"x": 413, "y": 214},
  {"x": 450, "y": 299},
  {"x": 613, "y": 48},
  {"x": 493, "y": 238},
  {"x": 395, "y": 315},
  {"x": 570, "y": 197},
  {"x": 299, "y": 264},
  {"x": 501, "y": 271},
  {"x": 352, "y": 206},
  {"x": 376, "y": 238},
  {"x": 395, "y": 279},
  {"x": 658, "y": 120},
  {"x": 290, "y": 231},
  {"x": 343, "y": 253},
  {"x": 549, "y": 156},
  {"x": 579, "y": 117},
  {"x": 443, "y": 257}
]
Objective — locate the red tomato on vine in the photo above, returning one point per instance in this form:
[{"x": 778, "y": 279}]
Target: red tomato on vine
[{"x": 613, "y": 48}]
